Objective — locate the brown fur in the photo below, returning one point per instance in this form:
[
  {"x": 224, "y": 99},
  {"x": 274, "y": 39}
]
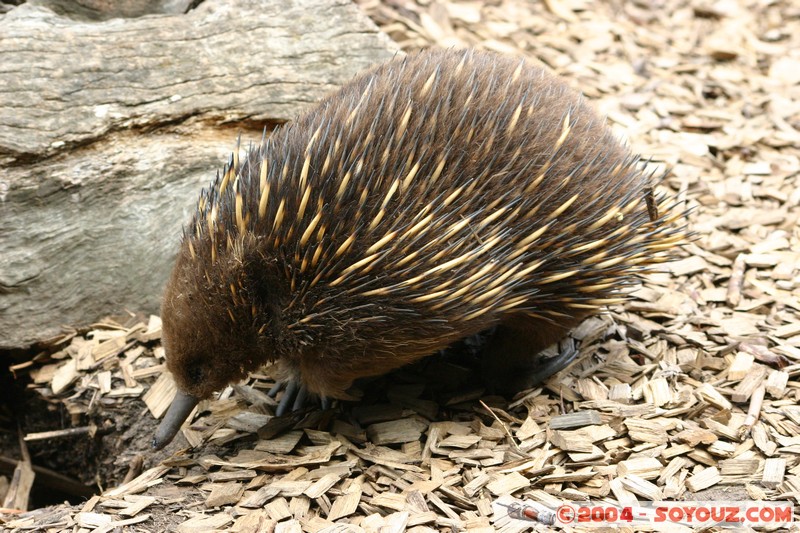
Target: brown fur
[{"x": 433, "y": 197}]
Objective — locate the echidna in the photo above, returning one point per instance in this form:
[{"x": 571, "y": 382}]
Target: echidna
[{"x": 431, "y": 198}]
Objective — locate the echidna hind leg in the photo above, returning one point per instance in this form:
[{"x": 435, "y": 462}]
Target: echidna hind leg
[{"x": 512, "y": 360}]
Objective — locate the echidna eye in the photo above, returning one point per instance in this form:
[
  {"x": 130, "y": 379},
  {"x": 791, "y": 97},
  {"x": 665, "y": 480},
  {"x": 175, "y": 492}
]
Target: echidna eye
[{"x": 195, "y": 373}]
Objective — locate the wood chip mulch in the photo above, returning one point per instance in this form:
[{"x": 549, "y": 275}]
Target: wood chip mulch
[{"x": 689, "y": 391}]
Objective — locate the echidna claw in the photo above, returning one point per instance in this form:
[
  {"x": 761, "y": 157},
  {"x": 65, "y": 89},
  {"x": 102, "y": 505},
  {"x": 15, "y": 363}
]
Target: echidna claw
[
  {"x": 300, "y": 398},
  {"x": 288, "y": 398},
  {"x": 550, "y": 366},
  {"x": 275, "y": 389},
  {"x": 294, "y": 397}
]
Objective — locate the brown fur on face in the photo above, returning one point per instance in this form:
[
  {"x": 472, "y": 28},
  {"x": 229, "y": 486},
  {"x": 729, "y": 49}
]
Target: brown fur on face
[
  {"x": 209, "y": 339},
  {"x": 433, "y": 197}
]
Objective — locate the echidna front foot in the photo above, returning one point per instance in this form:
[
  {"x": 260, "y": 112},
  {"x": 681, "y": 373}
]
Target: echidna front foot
[
  {"x": 512, "y": 361},
  {"x": 295, "y": 397}
]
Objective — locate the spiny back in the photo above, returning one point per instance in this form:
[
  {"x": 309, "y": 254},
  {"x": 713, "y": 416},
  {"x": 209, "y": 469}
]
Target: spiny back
[{"x": 456, "y": 186}]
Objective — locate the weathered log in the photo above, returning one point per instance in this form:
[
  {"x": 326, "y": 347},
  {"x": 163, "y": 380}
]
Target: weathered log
[{"x": 108, "y": 129}]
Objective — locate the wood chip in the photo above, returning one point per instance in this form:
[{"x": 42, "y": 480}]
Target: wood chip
[
  {"x": 646, "y": 431},
  {"x": 642, "y": 487},
  {"x": 224, "y": 494},
  {"x": 160, "y": 395},
  {"x": 776, "y": 383},
  {"x": 774, "y": 469},
  {"x": 708, "y": 477},
  {"x": 643, "y": 467},
  {"x": 577, "y": 419},
  {"x": 507, "y": 484},
  {"x": 321, "y": 486},
  {"x": 571, "y": 441},
  {"x": 396, "y": 431},
  {"x": 65, "y": 376},
  {"x": 200, "y": 523},
  {"x": 347, "y": 503},
  {"x": 741, "y": 365},
  {"x": 19, "y": 488},
  {"x": 278, "y": 509}
]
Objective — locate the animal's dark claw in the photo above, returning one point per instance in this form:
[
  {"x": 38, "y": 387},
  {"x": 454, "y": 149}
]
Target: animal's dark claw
[
  {"x": 279, "y": 385},
  {"x": 300, "y": 398},
  {"x": 288, "y": 398},
  {"x": 295, "y": 396},
  {"x": 549, "y": 366}
]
